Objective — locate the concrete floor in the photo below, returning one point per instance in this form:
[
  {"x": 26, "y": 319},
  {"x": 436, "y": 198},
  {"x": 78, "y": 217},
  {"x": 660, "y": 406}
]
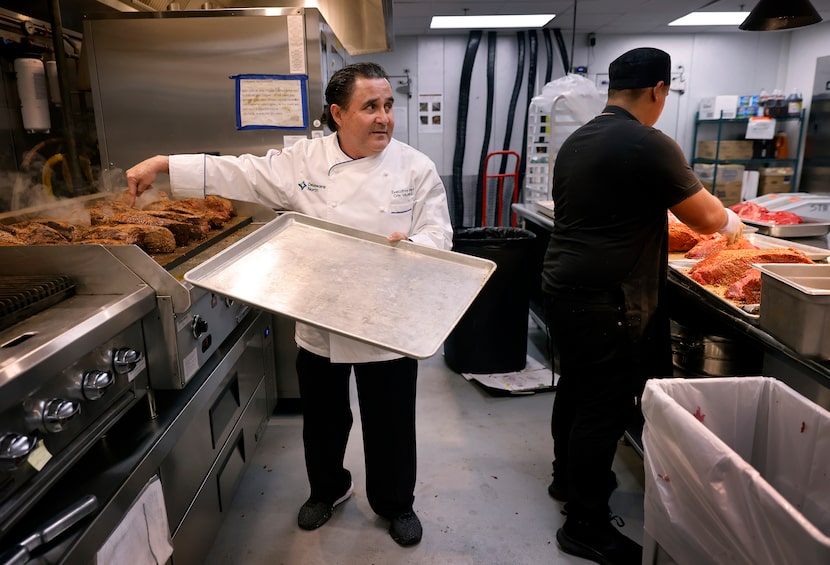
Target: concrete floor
[{"x": 484, "y": 464}]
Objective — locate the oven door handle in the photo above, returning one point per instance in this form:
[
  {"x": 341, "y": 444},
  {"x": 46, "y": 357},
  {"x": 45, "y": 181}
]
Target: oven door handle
[{"x": 21, "y": 553}]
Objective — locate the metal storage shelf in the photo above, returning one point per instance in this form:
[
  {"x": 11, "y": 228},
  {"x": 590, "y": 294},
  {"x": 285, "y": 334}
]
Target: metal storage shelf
[{"x": 755, "y": 162}]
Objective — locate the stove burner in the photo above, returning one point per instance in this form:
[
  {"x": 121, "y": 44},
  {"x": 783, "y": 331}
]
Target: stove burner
[{"x": 22, "y": 296}]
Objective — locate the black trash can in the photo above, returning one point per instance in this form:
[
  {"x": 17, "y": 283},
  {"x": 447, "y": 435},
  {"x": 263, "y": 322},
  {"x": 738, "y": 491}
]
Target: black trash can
[{"x": 491, "y": 337}]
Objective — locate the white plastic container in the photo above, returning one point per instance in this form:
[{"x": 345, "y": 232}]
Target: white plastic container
[
  {"x": 34, "y": 96},
  {"x": 737, "y": 470}
]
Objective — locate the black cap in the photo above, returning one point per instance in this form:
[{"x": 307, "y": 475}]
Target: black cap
[{"x": 639, "y": 68}]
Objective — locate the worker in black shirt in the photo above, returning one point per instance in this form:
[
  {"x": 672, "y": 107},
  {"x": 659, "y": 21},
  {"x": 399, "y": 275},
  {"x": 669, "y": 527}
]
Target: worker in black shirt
[{"x": 603, "y": 281}]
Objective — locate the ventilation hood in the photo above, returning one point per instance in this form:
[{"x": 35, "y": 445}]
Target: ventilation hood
[{"x": 362, "y": 26}]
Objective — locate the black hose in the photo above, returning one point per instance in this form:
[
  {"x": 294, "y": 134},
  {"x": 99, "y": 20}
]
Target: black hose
[
  {"x": 488, "y": 125},
  {"x": 531, "y": 80},
  {"x": 563, "y": 50},
  {"x": 461, "y": 127},
  {"x": 549, "y": 50},
  {"x": 514, "y": 98}
]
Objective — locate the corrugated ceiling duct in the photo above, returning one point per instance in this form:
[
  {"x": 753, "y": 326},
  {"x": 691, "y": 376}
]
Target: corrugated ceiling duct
[{"x": 362, "y": 26}]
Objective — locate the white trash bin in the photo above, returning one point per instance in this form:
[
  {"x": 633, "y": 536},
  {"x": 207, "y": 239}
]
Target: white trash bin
[{"x": 737, "y": 470}]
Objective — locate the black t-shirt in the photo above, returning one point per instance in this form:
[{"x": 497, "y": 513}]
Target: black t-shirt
[{"x": 614, "y": 180}]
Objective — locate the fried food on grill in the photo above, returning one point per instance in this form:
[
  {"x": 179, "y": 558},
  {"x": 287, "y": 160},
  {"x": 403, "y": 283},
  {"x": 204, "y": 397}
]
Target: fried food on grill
[{"x": 153, "y": 239}]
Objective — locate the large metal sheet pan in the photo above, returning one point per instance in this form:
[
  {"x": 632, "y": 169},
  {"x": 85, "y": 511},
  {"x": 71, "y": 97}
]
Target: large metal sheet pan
[
  {"x": 677, "y": 259},
  {"x": 403, "y": 297},
  {"x": 809, "y": 228}
]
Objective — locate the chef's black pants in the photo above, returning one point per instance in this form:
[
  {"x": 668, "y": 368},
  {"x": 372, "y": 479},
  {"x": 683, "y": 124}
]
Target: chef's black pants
[
  {"x": 386, "y": 396},
  {"x": 595, "y": 395}
]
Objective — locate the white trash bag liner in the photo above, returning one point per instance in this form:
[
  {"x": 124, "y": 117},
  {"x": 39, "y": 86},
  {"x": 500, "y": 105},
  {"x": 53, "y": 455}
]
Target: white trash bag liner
[{"x": 737, "y": 470}]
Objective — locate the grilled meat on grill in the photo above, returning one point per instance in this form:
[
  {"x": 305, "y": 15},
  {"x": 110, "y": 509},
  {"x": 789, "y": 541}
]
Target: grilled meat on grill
[
  {"x": 36, "y": 233},
  {"x": 727, "y": 266},
  {"x": 215, "y": 210},
  {"x": 153, "y": 239},
  {"x": 8, "y": 238},
  {"x": 182, "y": 230}
]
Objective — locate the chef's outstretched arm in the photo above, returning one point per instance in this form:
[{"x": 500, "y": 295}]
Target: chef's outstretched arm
[
  {"x": 140, "y": 177},
  {"x": 704, "y": 213}
]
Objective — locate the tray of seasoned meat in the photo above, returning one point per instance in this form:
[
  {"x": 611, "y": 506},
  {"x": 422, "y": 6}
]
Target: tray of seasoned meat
[{"x": 730, "y": 275}]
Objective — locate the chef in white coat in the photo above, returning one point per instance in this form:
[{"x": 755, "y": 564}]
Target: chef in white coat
[{"x": 360, "y": 177}]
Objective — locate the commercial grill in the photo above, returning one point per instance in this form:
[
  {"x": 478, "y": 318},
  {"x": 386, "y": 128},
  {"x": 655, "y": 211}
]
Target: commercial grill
[
  {"x": 88, "y": 330},
  {"x": 72, "y": 361}
]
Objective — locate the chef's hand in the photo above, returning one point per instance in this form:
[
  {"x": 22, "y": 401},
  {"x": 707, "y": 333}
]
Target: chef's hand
[
  {"x": 733, "y": 229},
  {"x": 397, "y": 236},
  {"x": 141, "y": 176}
]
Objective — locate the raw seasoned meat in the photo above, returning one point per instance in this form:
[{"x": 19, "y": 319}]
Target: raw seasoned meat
[
  {"x": 153, "y": 239},
  {"x": 747, "y": 288},
  {"x": 755, "y": 212},
  {"x": 682, "y": 237},
  {"x": 729, "y": 265},
  {"x": 714, "y": 244}
]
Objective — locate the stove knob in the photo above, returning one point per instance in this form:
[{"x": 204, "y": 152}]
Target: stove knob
[
  {"x": 14, "y": 448},
  {"x": 198, "y": 326},
  {"x": 57, "y": 413},
  {"x": 125, "y": 359},
  {"x": 96, "y": 383}
]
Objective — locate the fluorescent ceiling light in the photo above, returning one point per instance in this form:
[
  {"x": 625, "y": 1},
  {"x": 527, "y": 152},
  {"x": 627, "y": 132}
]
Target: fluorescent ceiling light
[
  {"x": 490, "y": 22},
  {"x": 711, "y": 19}
]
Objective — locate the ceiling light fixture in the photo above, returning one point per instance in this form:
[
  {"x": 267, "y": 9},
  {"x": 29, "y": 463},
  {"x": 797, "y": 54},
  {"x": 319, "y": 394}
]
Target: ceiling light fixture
[
  {"x": 710, "y": 19},
  {"x": 770, "y": 15},
  {"x": 491, "y": 22}
]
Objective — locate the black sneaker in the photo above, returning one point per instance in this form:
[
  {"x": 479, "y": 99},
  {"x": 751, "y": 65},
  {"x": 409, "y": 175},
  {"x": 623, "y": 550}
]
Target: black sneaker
[
  {"x": 599, "y": 542},
  {"x": 315, "y": 513},
  {"x": 406, "y": 529}
]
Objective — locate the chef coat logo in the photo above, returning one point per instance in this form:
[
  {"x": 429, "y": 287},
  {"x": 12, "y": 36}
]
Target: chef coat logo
[
  {"x": 310, "y": 186},
  {"x": 403, "y": 192}
]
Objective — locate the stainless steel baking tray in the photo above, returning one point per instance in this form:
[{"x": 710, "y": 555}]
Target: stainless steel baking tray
[
  {"x": 795, "y": 306},
  {"x": 403, "y": 297},
  {"x": 677, "y": 259},
  {"x": 809, "y": 228}
]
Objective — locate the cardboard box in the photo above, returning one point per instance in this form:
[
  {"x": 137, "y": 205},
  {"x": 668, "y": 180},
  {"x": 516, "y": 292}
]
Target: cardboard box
[
  {"x": 729, "y": 149},
  {"x": 727, "y": 192},
  {"x": 716, "y": 107},
  {"x": 773, "y": 180},
  {"x": 729, "y": 185}
]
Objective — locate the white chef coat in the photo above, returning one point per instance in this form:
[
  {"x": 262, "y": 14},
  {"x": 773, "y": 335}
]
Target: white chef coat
[{"x": 398, "y": 190}]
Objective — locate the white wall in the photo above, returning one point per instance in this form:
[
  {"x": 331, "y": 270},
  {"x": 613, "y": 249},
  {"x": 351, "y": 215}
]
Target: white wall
[
  {"x": 713, "y": 63},
  {"x": 716, "y": 63}
]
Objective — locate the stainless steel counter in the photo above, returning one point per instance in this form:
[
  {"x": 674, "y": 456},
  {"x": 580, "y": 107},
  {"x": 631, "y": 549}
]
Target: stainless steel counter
[{"x": 809, "y": 377}]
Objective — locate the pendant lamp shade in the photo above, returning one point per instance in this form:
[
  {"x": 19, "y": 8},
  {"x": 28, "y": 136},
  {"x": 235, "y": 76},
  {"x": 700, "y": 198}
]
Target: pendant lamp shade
[{"x": 770, "y": 15}]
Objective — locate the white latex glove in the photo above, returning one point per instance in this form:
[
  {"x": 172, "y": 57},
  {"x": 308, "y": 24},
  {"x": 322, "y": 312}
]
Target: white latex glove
[{"x": 733, "y": 229}]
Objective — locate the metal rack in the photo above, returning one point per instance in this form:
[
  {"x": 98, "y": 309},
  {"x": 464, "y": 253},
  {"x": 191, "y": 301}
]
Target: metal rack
[
  {"x": 721, "y": 123},
  {"x": 547, "y": 129}
]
